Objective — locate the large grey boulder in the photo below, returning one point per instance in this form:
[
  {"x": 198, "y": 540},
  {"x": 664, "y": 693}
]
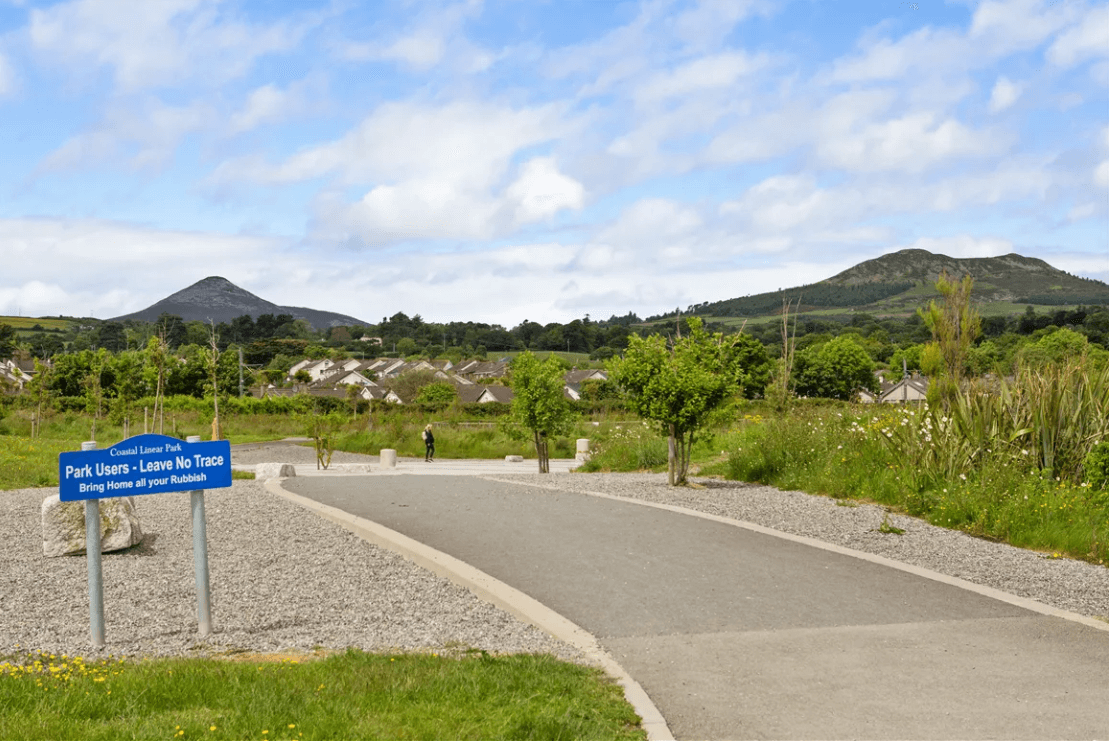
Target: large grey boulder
[
  {"x": 63, "y": 526},
  {"x": 264, "y": 471}
]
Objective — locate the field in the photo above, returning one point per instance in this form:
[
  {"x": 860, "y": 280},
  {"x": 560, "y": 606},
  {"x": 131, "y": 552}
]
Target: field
[{"x": 24, "y": 325}]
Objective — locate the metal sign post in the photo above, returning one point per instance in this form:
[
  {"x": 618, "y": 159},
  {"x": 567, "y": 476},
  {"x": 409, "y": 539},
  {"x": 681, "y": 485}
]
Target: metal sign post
[
  {"x": 96, "y": 571},
  {"x": 200, "y": 558},
  {"x": 146, "y": 464}
]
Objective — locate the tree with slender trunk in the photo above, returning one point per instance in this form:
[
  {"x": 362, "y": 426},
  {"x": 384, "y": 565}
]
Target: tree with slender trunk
[
  {"x": 213, "y": 364},
  {"x": 41, "y": 393},
  {"x": 538, "y": 402},
  {"x": 94, "y": 389},
  {"x": 678, "y": 384},
  {"x": 157, "y": 356}
]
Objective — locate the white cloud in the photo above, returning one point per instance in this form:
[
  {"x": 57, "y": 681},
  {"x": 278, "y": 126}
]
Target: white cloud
[
  {"x": 422, "y": 51},
  {"x": 651, "y": 224},
  {"x": 1001, "y": 27},
  {"x": 155, "y": 43},
  {"x": 762, "y": 137},
  {"x": 1005, "y": 93},
  {"x": 269, "y": 104},
  {"x": 710, "y": 21},
  {"x": 436, "y": 36},
  {"x": 926, "y": 50},
  {"x": 914, "y": 142},
  {"x": 793, "y": 210},
  {"x": 711, "y": 73},
  {"x": 435, "y": 172},
  {"x": 1088, "y": 38},
  {"x": 541, "y": 191},
  {"x": 105, "y": 269},
  {"x": 463, "y": 143},
  {"x": 7, "y": 76},
  {"x": 1101, "y": 174},
  {"x": 145, "y": 134}
]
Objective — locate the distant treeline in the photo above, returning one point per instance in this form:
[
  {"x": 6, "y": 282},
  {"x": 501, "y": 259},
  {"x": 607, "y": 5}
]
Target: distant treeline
[
  {"x": 1048, "y": 299},
  {"x": 276, "y": 342},
  {"x": 814, "y": 296}
]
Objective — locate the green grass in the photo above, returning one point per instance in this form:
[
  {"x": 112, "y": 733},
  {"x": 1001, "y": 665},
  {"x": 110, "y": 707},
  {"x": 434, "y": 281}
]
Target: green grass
[
  {"x": 27, "y": 463},
  {"x": 353, "y": 695},
  {"x": 628, "y": 446},
  {"x": 839, "y": 450},
  {"x": 841, "y": 453}
]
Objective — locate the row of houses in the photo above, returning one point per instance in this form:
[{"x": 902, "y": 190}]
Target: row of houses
[
  {"x": 471, "y": 378},
  {"x": 370, "y": 377}
]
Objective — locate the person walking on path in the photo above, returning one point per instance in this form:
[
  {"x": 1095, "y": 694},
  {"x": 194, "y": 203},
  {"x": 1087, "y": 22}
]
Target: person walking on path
[{"x": 429, "y": 442}]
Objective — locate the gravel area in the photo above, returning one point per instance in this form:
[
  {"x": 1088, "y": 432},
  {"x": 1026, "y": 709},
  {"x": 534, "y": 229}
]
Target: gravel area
[
  {"x": 284, "y": 581},
  {"x": 1064, "y": 583}
]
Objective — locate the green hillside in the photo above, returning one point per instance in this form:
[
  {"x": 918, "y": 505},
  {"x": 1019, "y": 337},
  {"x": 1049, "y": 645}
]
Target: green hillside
[{"x": 899, "y": 283}]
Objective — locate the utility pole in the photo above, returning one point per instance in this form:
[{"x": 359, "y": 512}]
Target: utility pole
[{"x": 240, "y": 371}]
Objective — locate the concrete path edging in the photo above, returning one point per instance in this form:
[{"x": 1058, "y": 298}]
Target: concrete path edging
[
  {"x": 496, "y": 592},
  {"x": 1012, "y": 599}
]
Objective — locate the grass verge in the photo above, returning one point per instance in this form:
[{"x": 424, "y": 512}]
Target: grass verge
[
  {"x": 842, "y": 451},
  {"x": 353, "y": 695}
]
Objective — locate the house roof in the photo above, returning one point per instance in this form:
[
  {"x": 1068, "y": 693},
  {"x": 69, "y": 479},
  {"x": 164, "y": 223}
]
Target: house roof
[
  {"x": 589, "y": 374},
  {"x": 502, "y": 394},
  {"x": 907, "y": 389},
  {"x": 483, "y": 369}
]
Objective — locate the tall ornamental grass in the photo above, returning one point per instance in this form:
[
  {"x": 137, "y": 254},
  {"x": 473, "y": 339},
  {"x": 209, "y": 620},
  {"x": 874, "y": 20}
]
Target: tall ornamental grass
[
  {"x": 1018, "y": 460},
  {"x": 1044, "y": 420}
]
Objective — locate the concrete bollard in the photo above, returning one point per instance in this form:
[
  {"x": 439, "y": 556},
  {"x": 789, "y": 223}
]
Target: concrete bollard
[
  {"x": 583, "y": 449},
  {"x": 388, "y": 458}
]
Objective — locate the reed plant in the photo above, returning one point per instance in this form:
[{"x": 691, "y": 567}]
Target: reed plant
[{"x": 1015, "y": 460}]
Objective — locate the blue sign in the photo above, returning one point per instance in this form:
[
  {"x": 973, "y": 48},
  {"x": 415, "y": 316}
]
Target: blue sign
[{"x": 145, "y": 464}]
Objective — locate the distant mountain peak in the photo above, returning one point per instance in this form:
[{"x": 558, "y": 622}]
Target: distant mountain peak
[
  {"x": 899, "y": 282},
  {"x": 217, "y": 299}
]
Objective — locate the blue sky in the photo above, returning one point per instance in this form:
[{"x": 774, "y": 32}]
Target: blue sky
[{"x": 503, "y": 160}]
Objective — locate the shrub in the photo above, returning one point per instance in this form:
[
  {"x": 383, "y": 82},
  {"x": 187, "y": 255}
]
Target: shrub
[{"x": 1096, "y": 466}]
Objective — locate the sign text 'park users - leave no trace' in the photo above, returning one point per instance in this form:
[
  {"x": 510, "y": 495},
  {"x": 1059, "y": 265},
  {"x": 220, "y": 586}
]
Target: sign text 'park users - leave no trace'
[{"x": 145, "y": 464}]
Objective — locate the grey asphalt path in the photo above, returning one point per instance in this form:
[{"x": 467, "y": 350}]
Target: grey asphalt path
[{"x": 736, "y": 634}]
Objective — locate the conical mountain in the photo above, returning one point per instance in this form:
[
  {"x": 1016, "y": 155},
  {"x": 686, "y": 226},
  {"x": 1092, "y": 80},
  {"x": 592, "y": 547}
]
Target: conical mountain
[{"x": 217, "y": 299}]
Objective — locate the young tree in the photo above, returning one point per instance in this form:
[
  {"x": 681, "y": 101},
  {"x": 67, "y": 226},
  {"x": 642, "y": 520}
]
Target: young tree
[
  {"x": 751, "y": 363},
  {"x": 835, "y": 370},
  {"x": 538, "y": 403},
  {"x": 94, "y": 388},
  {"x": 157, "y": 370},
  {"x": 213, "y": 354},
  {"x": 41, "y": 393},
  {"x": 408, "y": 385},
  {"x": 439, "y": 395},
  {"x": 678, "y": 385},
  {"x": 955, "y": 326}
]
